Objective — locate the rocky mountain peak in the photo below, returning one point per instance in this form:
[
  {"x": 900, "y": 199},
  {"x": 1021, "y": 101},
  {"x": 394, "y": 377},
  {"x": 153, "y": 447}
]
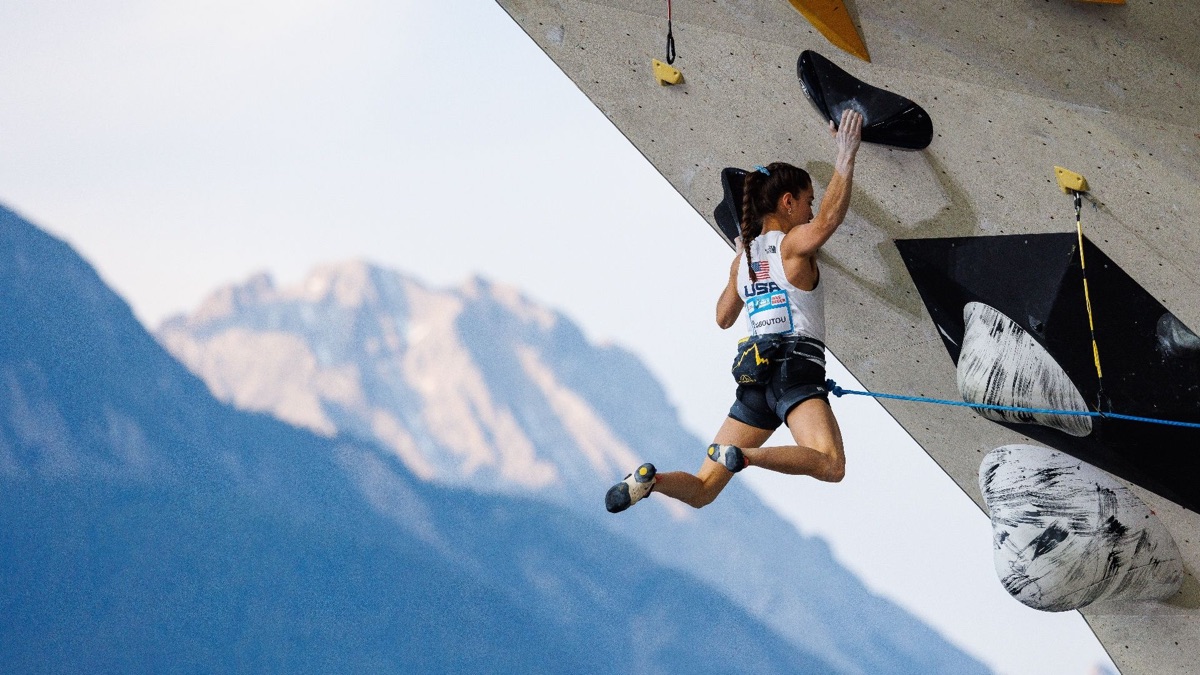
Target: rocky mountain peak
[
  {"x": 228, "y": 300},
  {"x": 512, "y": 299},
  {"x": 349, "y": 284}
]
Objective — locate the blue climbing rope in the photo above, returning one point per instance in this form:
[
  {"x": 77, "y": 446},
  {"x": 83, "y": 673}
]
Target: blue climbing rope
[{"x": 838, "y": 391}]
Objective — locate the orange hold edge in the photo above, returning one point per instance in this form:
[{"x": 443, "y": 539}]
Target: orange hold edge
[{"x": 831, "y": 18}]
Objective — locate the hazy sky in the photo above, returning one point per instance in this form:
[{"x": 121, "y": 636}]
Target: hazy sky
[{"x": 180, "y": 146}]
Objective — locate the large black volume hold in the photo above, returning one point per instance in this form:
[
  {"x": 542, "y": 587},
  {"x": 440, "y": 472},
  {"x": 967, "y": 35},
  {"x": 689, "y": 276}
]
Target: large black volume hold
[{"x": 888, "y": 119}]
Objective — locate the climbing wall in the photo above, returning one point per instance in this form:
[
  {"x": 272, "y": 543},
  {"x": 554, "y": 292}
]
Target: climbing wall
[{"x": 1013, "y": 88}]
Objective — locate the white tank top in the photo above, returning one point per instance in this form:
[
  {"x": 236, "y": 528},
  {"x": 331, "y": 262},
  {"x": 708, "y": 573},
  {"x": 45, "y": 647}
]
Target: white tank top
[{"x": 774, "y": 305}]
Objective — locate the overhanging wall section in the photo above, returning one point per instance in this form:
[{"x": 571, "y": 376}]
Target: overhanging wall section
[{"x": 1013, "y": 88}]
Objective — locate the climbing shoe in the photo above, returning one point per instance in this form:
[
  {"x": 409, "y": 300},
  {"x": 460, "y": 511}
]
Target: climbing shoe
[
  {"x": 728, "y": 456},
  {"x": 631, "y": 490}
]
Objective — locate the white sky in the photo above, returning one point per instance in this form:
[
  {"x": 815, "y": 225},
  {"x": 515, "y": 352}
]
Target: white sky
[{"x": 184, "y": 145}]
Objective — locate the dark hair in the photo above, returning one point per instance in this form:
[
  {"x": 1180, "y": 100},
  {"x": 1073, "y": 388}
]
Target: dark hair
[{"x": 760, "y": 196}]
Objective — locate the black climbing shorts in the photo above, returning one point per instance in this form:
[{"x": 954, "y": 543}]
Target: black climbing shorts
[{"x": 797, "y": 374}]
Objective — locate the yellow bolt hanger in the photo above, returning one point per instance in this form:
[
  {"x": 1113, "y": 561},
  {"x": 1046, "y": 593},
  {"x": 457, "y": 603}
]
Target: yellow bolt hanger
[{"x": 1070, "y": 181}]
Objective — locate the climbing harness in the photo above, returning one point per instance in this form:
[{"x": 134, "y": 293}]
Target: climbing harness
[
  {"x": 1076, "y": 185},
  {"x": 838, "y": 391},
  {"x": 752, "y": 365}
]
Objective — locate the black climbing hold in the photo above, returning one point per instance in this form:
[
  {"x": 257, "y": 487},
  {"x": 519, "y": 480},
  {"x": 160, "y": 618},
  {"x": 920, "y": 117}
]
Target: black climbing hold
[
  {"x": 728, "y": 213},
  {"x": 888, "y": 119},
  {"x": 1151, "y": 358}
]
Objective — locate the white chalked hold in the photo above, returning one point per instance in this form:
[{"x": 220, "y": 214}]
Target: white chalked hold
[
  {"x": 1066, "y": 534},
  {"x": 1001, "y": 364}
]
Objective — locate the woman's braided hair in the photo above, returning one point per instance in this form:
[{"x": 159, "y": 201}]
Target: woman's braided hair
[{"x": 760, "y": 196}]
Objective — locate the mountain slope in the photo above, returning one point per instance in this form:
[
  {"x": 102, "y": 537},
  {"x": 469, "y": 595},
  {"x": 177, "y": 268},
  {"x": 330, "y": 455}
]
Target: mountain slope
[
  {"x": 150, "y": 528},
  {"x": 481, "y": 388}
]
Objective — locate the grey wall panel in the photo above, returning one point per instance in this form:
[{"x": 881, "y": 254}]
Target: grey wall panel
[{"x": 1014, "y": 88}]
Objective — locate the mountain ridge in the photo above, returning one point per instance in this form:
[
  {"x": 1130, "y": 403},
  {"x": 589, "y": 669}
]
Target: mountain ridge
[
  {"x": 513, "y": 377},
  {"x": 250, "y": 544}
]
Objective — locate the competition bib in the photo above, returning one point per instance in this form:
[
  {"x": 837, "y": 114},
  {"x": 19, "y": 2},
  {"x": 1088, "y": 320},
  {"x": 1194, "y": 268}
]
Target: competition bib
[{"x": 770, "y": 313}]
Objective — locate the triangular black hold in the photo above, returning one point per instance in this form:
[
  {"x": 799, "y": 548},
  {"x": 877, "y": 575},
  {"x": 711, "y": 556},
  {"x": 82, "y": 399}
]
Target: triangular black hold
[
  {"x": 1150, "y": 359},
  {"x": 1019, "y": 278},
  {"x": 888, "y": 119},
  {"x": 728, "y": 213}
]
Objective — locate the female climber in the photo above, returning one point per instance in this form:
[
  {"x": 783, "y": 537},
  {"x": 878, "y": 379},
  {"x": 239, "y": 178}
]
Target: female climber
[{"x": 776, "y": 280}]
